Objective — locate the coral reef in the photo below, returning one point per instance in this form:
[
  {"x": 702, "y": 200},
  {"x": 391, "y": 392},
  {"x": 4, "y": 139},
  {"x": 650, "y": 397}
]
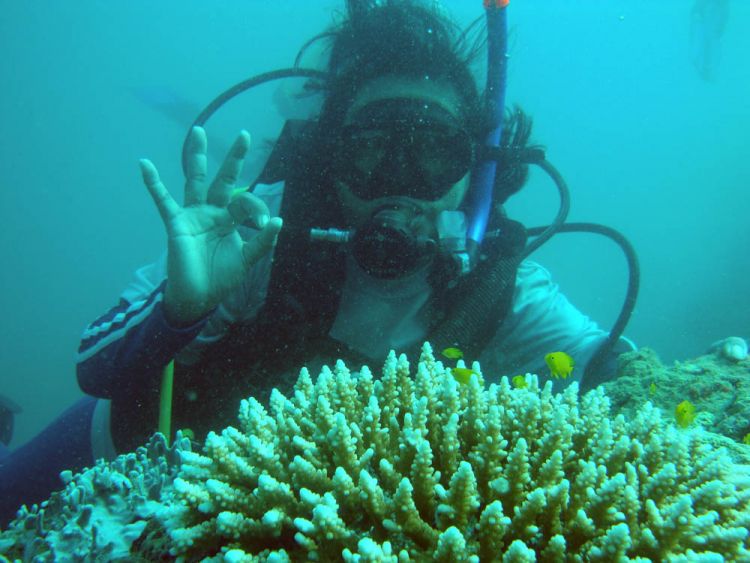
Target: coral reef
[
  {"x": 717, "y": 384},
  {"x": 420, "y": 467},
  {"x": 100, "y": 512}
]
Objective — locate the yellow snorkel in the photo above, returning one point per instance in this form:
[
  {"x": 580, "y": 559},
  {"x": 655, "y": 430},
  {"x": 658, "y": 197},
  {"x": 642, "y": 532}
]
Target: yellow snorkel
[{"x": 165, "y": 401}]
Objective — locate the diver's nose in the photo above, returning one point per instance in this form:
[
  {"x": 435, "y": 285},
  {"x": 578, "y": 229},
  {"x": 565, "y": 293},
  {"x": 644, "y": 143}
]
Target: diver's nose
[{"x": 400, "y": 165}]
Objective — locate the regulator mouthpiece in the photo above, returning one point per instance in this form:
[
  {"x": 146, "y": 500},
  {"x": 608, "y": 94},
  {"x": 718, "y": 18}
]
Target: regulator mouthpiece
[{"x": 387, "y": 247}]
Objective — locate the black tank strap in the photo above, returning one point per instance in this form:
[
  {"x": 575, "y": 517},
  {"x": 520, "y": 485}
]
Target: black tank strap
[
  {"x": 306, "y": 277},
  {"x": 468, "y": 315}
]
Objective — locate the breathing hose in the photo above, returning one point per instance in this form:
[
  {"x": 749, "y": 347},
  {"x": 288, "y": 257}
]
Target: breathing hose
[
  {"x": 544, "y": 233},
  {"x": 239, "y": 88}
]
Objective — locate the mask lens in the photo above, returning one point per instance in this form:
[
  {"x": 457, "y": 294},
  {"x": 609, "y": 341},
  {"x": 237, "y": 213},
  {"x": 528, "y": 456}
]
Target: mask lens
[
  {"x": 367, "y": 149},
  {"x": 443, "y": 154},
  {"x": 403, "y": 147}
]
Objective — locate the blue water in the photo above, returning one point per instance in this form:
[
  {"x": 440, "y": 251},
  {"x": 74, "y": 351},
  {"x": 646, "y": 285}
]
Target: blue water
[{"x": 646, "y": 144}]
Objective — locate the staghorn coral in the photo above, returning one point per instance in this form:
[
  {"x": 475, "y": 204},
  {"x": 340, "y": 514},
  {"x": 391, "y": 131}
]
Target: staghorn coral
[{"x": 405, "y": 468}]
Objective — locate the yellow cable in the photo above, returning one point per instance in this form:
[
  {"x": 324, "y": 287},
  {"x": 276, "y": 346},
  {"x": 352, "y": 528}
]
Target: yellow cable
[{"x": 165, "y": 401}]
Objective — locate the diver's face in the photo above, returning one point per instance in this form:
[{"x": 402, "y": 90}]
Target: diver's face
[{"x": 403, "y": 141}]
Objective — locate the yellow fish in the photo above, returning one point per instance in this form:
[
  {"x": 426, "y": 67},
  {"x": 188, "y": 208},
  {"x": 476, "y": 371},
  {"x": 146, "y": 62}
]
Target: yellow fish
[
  {"x": 652, "y": 388},
  {"x": 453, "y": 353},
  {"x": 560, "y": 364},
  {"x": 684, "y": 413},
  {"x": 519, "y": 382},
  {"x": 463, "y": 375},
  {"x": 746, "y": 439}
]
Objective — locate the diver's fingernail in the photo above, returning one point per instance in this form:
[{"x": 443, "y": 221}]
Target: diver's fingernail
[{"x": 263, "y": 221}]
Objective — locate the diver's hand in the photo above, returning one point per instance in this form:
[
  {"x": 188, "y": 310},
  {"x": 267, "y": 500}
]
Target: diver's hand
[
  {"x": 732, "y": 348},
  {"x": 206, "y": 256}
]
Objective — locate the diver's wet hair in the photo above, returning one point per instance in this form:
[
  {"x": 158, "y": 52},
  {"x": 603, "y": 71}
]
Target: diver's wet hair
[
  {"x": 401, "y": 38},
  {"x": 512, "y": 176}
]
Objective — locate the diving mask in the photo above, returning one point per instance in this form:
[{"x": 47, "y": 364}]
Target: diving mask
[{"x": 403, "y": 147}]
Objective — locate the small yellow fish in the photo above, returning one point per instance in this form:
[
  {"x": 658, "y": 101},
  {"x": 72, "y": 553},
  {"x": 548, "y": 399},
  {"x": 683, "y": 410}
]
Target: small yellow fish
[
  {"x": 652, "y": 388},
  {"x": 519, "y": 382},
  {"x": 560, "y": 364},
  {"x": 463, "y": 375},
  {"x": 746, "y": 439},
  {"x": 453, "y": 353},
  {"x": 684, "y": 413}
]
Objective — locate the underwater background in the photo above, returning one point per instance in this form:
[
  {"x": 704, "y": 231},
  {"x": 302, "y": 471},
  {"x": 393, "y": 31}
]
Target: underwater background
[{"x": 649, "y": 144}]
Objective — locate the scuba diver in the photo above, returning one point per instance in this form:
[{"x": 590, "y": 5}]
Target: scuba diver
[
  {"x": 708, "y": 21},
  {"x": 378, "y": 202},
  {"x": 377, "y": 226}
]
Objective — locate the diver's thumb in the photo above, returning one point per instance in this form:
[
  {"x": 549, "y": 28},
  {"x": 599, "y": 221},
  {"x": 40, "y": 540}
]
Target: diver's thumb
[{"x": 253, "y": 250}]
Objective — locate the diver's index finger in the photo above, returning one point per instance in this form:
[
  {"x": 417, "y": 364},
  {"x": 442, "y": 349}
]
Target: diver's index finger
[
  {"x": 196, "y": 166},
  {"x": 247, "y": 206},
  {"x": 221, "y": 188},
  {"x": 164, "y": 201}
]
